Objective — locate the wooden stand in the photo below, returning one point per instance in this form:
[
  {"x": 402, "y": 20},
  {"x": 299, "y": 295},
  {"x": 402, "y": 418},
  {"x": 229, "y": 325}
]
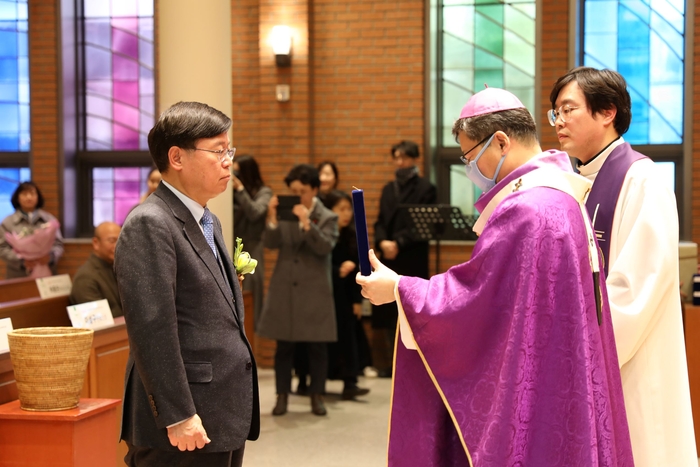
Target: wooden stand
[
  {"x": 82, "y": 437},
  {"x": 692, "y": 350}
]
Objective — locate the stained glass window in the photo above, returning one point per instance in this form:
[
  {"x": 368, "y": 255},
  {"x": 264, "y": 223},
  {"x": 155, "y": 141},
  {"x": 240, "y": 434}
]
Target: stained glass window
[
  {"x": 10, "y": 178},
  {"x": 644, "y": 41},
  {"x": 14, "y": 77},
  {"x": 116, "y": 191},
  {"x": 485, "y": 42},
  {"x": 119, "y": 77}
]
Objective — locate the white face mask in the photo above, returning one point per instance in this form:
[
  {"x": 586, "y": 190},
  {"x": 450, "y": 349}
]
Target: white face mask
[{"x": 474, "y": 174}]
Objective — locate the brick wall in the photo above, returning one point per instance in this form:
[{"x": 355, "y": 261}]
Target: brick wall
[
  {"x": 356, "y": 88},
  {"x": 44, "y": 112},
  {"x": 367, "y": 88},
  {"x": 555, "y": 61}
]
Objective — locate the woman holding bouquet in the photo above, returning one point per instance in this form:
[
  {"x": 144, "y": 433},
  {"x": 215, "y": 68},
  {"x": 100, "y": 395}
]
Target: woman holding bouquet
[{"x": 24, "y": 244}]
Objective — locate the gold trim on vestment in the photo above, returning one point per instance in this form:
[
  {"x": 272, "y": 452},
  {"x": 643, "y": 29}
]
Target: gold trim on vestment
[{"x": 432, "y": 377}]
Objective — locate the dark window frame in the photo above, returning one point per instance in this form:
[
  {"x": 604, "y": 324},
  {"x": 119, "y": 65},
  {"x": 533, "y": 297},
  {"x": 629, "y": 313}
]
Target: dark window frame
[
  {"x": 87, "y": 160},
  {"x": 15, "y": 159}
]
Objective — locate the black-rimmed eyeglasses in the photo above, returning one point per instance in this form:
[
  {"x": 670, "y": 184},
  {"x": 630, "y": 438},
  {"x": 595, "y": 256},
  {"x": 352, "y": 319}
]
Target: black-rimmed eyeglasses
[{"x": 464, "y": 157}]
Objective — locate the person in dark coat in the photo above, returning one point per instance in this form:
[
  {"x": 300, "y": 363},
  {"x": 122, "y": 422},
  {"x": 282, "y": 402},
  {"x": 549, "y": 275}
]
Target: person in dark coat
[
  {"x": 95, "y": 280},
  {"x": 392, "y": 232},
  {"x": 299, "y": 303},
  {"x": 343, "y": 356},
  {"x": 250, "y": 200}
]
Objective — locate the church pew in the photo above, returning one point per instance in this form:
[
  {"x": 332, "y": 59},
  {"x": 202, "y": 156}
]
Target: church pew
[
  {"x": 18, "y": 289},
  {"x": 36, "y": 312}
]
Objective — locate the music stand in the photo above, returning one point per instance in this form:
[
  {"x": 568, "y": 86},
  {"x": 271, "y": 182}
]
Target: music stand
[{"x": 438, "y": 222}]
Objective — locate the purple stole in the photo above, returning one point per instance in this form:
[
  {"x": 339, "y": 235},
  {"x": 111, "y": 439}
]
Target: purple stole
[{"x": 605, "y": 192}]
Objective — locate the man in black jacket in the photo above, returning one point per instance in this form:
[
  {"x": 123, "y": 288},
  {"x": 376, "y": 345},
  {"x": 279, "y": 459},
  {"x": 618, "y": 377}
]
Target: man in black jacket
[{"x": 392, "y": 233}]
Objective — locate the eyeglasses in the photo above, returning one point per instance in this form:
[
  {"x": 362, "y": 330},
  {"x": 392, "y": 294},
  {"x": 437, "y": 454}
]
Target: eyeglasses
[
  {"x": 464, "y": 157},
  {"x": 564, "y": 113},
  {"x": 220, "y": 153}
]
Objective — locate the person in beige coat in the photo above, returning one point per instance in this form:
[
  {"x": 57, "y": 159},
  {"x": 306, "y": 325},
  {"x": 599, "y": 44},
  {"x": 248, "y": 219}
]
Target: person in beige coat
[{"x": 299, "y": 305}]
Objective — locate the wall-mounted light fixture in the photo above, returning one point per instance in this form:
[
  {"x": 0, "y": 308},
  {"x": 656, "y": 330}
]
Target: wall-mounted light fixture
[{"x": 281, "y": 39}]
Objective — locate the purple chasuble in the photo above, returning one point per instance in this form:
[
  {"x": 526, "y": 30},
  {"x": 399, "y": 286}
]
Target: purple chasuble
[
  {"x": 512, "y": 368},
  {"x": 605, "y": 192}
]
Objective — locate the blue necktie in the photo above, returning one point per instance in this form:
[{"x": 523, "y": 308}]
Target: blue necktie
[{"x": 208, "y": 227}]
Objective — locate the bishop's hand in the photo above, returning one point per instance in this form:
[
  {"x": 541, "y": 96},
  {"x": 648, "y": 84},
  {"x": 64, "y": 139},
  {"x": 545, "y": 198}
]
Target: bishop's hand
[{"x": 379, "y": 286}]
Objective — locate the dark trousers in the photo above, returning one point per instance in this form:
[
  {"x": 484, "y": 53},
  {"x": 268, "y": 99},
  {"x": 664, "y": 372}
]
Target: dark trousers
[
  {"x": 149, "y": 457},
  {"x": 318, "y": 366}
]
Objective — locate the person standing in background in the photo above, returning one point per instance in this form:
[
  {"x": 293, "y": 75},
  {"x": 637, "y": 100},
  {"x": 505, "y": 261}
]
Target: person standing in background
[
  {"x": 392, "y": 237},
  {"x": 299, "y": 304},
  {"x": 250, "y": 200},
  {"x": 635, "y": 217},
  {"x": 28, "y": 216},
  {"x": 152, "y": 183},
  {"x": 328, "y": 175},
  {"x": 344, "y": 355}
]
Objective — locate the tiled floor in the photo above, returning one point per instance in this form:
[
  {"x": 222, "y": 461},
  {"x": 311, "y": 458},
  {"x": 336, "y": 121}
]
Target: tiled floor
[{"x": 352, "y": 434}]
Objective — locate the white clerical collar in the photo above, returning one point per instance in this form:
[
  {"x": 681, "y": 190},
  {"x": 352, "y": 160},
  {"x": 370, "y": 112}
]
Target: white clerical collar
[
  {"x": 594, "y": 166},
  {"x": 194, "y": 207}
]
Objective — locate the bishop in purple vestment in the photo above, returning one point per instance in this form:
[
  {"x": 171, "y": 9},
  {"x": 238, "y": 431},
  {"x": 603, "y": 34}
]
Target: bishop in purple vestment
[{"x": 508, "y": 359}]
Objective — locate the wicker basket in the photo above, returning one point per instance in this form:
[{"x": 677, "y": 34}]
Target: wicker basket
[{"x": 49, "y": 366}]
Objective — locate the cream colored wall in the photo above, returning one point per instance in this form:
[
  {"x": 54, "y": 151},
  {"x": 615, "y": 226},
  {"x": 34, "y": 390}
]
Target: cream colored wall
[{"x": 195, "y": 65}]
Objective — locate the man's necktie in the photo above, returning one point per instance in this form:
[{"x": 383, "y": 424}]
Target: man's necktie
[{"x": 208, "y": 227}]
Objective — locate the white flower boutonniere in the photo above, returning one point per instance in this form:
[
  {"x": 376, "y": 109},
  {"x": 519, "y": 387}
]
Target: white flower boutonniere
[{"x": 242, "y": 261}]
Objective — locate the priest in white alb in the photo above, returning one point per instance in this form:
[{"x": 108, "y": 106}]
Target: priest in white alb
[{"x": 636, "y": 221}]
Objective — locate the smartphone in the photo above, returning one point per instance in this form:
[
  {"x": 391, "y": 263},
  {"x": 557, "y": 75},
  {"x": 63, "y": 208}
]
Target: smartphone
[{"x": 284, "y": 208}]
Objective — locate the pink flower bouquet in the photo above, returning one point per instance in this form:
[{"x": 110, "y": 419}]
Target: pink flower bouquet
[{"x": 31, "y": 245}]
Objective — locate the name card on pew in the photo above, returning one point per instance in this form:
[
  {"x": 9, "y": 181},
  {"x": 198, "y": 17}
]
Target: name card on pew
[
  {"x": 91, "y": 315},
  {"x": 54, "y": 286},
  {"x": 5, "y": 327}
]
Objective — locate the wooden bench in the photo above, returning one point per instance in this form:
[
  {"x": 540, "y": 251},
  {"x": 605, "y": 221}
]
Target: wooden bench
[
  {"x": 18, "y": 289},
  {"x": 36, "y": 312}
]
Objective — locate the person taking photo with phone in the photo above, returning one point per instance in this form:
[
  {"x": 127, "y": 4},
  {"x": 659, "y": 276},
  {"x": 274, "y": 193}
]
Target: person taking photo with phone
[{"x": 299, "y": 305}]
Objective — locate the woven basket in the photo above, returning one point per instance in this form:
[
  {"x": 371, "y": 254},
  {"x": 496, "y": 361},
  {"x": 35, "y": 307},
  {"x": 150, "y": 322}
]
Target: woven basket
[{"x": 49, "y": 366}]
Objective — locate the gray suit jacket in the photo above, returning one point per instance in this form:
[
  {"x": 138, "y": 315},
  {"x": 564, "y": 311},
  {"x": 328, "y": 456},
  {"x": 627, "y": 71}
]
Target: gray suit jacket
[{"x": 188, "y": 349}]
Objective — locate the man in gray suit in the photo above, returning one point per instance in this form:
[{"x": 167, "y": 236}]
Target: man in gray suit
[{"x": 191, "y": 393}]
